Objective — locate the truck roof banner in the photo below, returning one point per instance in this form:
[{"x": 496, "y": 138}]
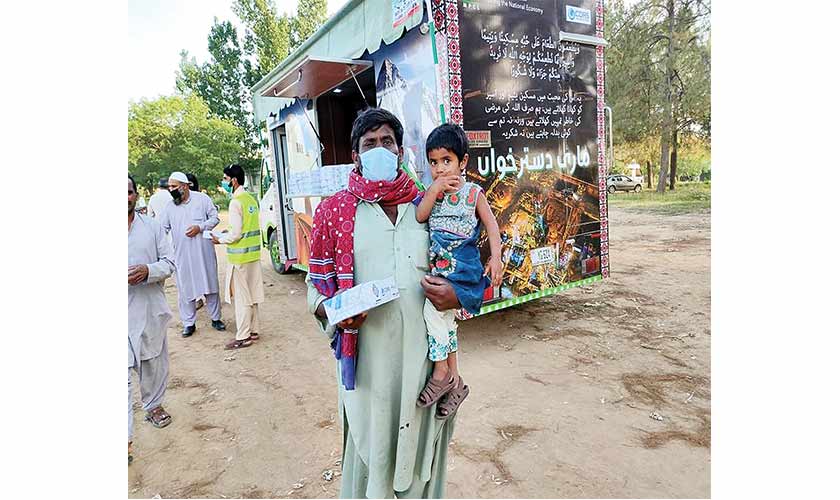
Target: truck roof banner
[{"x": 404, "y": 9}]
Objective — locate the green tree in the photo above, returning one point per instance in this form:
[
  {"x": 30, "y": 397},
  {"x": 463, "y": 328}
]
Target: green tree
[
  {"x": 178, "y": 133},
  {"x": 224, "y": 81},
  {"x": 658, "y": 76},
  {"x": 643, "y": 151},
  {"x": 692, "y": 102},
  {"x": 273, "y": 36},
  {"x": 311, "y": 14},
  {"x": 266, "y": 33},
  {"x": 695, "y": 156},
  {"x": 631, "y": 83}
]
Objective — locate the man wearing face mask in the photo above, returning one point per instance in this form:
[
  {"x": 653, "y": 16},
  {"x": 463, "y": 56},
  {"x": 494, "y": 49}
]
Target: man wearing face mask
[
  {"x": 188, "y": 215},
  {"x": 243, "y": 282},
  {"x": 369, "y": 232}
]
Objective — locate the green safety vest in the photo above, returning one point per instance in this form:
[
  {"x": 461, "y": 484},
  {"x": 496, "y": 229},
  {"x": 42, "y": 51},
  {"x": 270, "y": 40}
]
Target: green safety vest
[{"x": 248, "y": 248}]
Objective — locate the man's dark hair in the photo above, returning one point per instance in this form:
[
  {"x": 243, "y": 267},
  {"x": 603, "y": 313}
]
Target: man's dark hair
[
  {"x": 372, "y": 119},
  {"x": 450, "y": 137},
  {"x": 236, "y": 172},
  {"x": 163, "y": 183},
  {"x": 133, "y": 184},
  {"x": 193, "y": 182}
]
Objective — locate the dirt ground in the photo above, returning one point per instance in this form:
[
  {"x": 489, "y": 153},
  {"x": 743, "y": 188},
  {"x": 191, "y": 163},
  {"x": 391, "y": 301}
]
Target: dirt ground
[{"x": 600, "y": 391}]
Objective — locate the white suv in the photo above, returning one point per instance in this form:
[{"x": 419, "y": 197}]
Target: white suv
[{"x": 623, "y": 183}]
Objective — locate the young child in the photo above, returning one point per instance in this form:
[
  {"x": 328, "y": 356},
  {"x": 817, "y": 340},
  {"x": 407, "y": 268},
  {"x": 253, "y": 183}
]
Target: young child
[{"x": 454, "y": 208}]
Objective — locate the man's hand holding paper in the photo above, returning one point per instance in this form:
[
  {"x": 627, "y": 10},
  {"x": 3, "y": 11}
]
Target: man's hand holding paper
[{"x": 347, "y": 309}]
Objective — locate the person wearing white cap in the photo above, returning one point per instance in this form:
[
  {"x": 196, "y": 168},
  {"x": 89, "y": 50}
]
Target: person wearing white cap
[{"x": 188, "y": 215}]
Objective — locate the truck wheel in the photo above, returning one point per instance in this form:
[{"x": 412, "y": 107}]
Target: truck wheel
[
  {"x": 611, "y": 189},
  {"x": 638, "y": 188},
  {"x": 274, "y": 250}
]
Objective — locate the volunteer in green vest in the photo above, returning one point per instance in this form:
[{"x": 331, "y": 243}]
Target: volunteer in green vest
[{"x": 244, "y": 275}]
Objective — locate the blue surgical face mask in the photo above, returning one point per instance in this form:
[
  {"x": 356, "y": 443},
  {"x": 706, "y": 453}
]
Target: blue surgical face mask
[
  {"x": 227, "y": 186},
  {"x": 379, "y": 164}
]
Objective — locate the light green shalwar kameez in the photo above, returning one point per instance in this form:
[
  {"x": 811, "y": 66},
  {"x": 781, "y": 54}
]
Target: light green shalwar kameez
[{"x": 391, "y": 447}]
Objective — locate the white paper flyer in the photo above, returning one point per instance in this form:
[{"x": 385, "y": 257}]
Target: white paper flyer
[{"x": 360, "y": 298}]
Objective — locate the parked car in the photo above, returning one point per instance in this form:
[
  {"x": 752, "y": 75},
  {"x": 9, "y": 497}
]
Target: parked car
[{"x": 623, "y": 183}]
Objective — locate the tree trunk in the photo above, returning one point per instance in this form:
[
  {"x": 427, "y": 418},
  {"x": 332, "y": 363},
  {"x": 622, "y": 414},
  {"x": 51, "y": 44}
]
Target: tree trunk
[
  {"x": 673, "y": 159},
  {"x": 664, "y": 157},
  {"x": 648, "y": 174},
  {"x": 667, "y": 118}
]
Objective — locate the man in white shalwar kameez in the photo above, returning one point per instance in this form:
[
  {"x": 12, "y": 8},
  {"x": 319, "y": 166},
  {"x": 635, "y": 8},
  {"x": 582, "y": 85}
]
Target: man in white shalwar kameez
[
  {"x": 186, "y": 217},
  {"x": 159, "y": 200},
  {"x": 149, "y": 264}
]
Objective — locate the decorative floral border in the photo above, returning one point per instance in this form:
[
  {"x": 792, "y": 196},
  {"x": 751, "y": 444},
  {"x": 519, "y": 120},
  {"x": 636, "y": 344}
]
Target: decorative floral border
[
  {"x": 448, "y": 41},
  {"x": 442, "y": 58},
  {"x": 602, "y": 136}
]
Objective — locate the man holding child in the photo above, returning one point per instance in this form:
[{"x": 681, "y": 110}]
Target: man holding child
[{"x": 392, "y": 446}]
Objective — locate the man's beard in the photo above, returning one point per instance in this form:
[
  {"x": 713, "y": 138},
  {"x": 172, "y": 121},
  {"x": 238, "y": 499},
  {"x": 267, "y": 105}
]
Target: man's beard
[{"x": 131, "y": 206}]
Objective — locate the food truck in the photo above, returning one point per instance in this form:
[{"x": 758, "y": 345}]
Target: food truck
[{"x": 524, "y": 78}]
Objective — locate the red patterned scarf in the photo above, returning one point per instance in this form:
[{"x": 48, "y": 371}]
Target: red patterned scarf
[{"x": 331, "y": 254}]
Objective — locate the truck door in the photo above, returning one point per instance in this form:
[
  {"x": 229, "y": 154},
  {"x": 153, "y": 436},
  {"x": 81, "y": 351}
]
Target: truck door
[{"x": 286, "y": 215}]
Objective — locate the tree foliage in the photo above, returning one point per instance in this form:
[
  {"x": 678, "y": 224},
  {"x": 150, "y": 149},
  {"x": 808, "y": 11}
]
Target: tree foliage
[
  {"x": 631, "y": 83},
  {"x": 695, "y": 155},
  {"x": 224, "y": 81},
  {"x": 272, "y": 37},
  {"x": 235, "y": 65},
  {"x": 311, "y": 14},
  {"x": 209, "y": 124},
  {"x": 266, "y": 34},
  {"x": 658, "y": 79},
  {"x": 178, "y": 133}
]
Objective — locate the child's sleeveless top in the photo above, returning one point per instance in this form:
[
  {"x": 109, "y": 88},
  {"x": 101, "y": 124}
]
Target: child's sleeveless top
[{"x": 455, "y": 212}]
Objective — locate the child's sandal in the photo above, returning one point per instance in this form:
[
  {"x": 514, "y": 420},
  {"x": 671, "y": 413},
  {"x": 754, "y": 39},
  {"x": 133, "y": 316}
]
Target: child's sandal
[
  {"x": 433, "y": 391},
  {"x": 449, "y": 405}
]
